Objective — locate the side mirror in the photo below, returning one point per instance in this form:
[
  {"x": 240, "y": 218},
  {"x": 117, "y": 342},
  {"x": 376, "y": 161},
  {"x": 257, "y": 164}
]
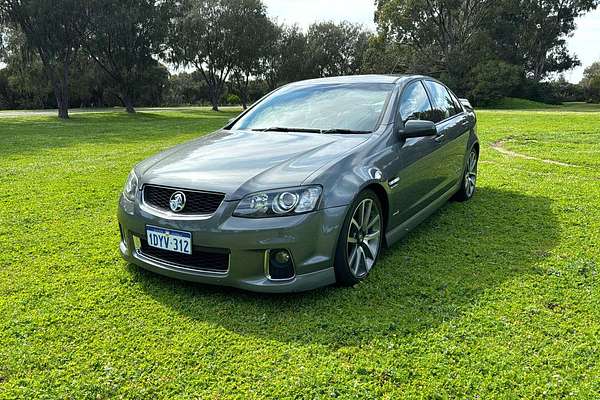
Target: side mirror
[
  {"x": 466, "y": 103},
  {"x": 416, "y": 129}
]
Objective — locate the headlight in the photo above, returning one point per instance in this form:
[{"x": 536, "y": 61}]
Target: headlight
[
  {"x": 282, "y": 202},
  {"x": 131, "y": 186}
]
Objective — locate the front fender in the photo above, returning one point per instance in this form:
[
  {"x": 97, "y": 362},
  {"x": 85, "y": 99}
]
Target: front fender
[
  {"x": 342, "y": 184},
  {"x": 344, "y": 179}
]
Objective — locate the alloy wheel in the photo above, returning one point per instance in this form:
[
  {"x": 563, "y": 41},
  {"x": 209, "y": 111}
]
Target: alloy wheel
[
  {"x": 471, "y": 174},
  {"x": 364, "y": 237}
]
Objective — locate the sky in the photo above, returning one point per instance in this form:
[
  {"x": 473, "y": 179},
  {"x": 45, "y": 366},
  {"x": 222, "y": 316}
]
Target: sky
[{"x": 585, "y": 42}]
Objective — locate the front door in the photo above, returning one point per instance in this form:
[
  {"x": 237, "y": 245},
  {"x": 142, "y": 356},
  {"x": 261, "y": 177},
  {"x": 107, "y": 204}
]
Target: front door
[{"x": 416, "y": 179}]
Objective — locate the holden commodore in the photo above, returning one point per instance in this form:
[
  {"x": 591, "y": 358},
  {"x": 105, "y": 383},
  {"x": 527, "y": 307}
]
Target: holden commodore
[{"x": 304, "y": 188}]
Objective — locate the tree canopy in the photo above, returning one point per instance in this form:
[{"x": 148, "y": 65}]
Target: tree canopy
[
  {"x": 51, "y": 30},
  {"x": 455, "y": 39},
  {"x": 591, "y": 82},
  {"x": 61, "y": 53},
  {"x": 336, "y": 49},
  {"x": 215, "y": 37},
  {"x": 122, "y": 37}
]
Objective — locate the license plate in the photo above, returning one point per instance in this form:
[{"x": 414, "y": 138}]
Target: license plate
[{"x": 170, "y": 240}]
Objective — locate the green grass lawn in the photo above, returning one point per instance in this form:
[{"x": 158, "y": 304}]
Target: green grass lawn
[
  {"x": 514, "y": 104},
  {"x": 495, "y": 298}
]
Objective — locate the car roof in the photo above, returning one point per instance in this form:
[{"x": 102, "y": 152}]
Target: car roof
[{"x": 360, "y": 79}]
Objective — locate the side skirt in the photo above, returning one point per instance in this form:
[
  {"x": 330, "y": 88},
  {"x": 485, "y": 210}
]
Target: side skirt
[{"x": 401, "y": 230}]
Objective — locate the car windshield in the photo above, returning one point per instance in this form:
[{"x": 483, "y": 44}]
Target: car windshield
[{"x": 326, "y": 108}]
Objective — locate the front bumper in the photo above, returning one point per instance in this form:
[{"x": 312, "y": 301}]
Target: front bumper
[{"x": 311, "y": 239}]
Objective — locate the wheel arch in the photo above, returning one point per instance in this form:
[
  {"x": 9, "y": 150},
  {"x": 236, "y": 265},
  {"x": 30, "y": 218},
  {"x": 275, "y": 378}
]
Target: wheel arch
[
  {"x": 383, "y": 197},
  {"x": 378, "y": 190},
  {"x": 475, "y": 146}
]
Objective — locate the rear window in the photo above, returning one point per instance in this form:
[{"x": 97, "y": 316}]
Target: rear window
[{"x": 442, "y": 101}]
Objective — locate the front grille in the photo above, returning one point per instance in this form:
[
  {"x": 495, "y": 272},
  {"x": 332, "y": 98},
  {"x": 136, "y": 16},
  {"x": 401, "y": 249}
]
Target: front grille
[
  {"x": 201, "y": 259},
  {"x": 197, "y": 203}
]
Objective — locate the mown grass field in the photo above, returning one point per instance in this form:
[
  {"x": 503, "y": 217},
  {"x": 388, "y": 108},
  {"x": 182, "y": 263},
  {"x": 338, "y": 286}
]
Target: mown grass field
[{"x": 495, "y": 298}]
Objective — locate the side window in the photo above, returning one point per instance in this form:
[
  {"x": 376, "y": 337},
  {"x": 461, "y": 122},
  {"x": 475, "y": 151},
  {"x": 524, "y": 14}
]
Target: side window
[
  {"x": 457, "y": 106},
  {"x": 414, "y": 103},
  {"x": 443, "y": 104}
]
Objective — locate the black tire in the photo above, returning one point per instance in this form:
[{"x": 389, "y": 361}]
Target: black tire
[
  {"x": 468, "y": 185},
  {"x": 346, "y": 274}
]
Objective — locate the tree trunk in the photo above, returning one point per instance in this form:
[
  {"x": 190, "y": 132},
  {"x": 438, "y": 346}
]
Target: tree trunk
[
  {"x": 214, "y": 97},
  {"x": 63, "y": 108},
  {"x": 128, "y": 103},
  {"x": 213, "y": 91},
  {"x": 244, "y": 89},
  {"x": 244, "y": 97},
  {"x": 61, "y": 91}
]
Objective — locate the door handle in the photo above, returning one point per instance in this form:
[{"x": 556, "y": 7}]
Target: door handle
[{"x": 440, "y": 138}]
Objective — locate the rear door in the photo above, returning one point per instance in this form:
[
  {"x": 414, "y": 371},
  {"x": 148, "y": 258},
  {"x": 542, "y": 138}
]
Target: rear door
[{"x": 453, "y": 127}]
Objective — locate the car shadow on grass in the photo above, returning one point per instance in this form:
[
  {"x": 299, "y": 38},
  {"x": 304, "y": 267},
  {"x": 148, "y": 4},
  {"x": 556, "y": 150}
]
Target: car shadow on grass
[{"x": 437, "y": 273}]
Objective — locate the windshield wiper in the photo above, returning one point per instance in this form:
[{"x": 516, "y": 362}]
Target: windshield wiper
[
  {"x": 282, "y": 129},
  {"x": 311, "y": 130},
  {"x": 344, "y": 131}
]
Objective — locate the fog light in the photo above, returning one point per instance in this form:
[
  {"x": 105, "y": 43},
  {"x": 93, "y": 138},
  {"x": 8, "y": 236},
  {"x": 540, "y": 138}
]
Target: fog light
[
  {"x": 123, "y": 245},
  {"x": 282, "y": 257},
  {"x": 280, "y": 266},
  {"x": 137, "y": 243}
]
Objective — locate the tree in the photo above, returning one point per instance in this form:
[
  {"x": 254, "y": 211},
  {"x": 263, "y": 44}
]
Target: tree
[
  {"x": 50, "y": 28},
  {"x": 451, "y": 39},
  {"x": 285, "y": 59},
  {"x": 383, "y": 56},
  {"x": 253, "y": 40},
  {"x": 122, "y": 37},
  {"x": 209, "y": 36},
  {"x": 441, "y": 34},
  {"x": 3, "y": 40},
  {"x": 186, "y": 89},
  {"x": 23, "y": 84},
  {"x": 533, "y": 33},
  {"x": 7, "y": 98},
  {"x": 591, "y": 82},
  {"x": 493, "y": 80},
  {"x": 336, "y": 49},
  {"x": 26, "y": 85},
  {"x": 566, "y": 91}
]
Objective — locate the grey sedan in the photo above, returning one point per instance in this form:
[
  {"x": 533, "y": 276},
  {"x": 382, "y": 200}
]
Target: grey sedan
[{"x": 305, "y": 188}]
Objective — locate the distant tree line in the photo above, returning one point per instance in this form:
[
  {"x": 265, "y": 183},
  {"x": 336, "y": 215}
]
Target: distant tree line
[{"x": 95, "y": 53}]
